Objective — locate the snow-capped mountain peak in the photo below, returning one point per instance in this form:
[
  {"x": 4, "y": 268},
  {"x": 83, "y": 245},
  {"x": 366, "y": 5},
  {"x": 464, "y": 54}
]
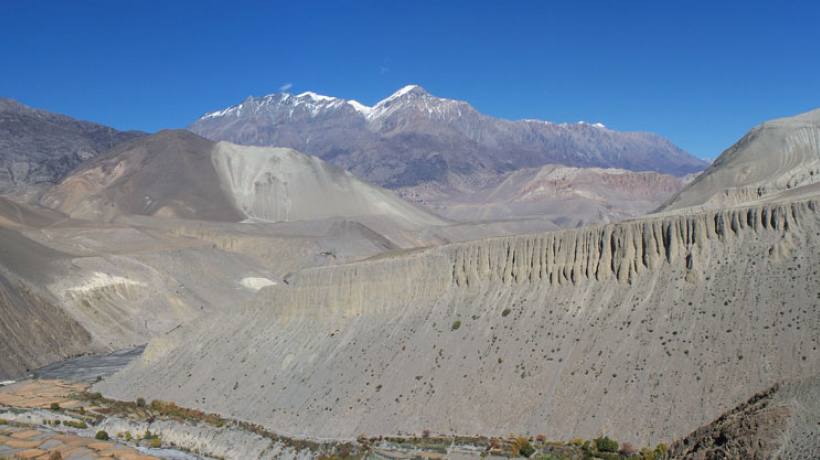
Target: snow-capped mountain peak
[
  {"x": 359, "y": 107},
  {"x": 416, "y": 99},
  {"x": 409, "y": 96},
  {"x": 413, "y": 90},
  {"x": 412, "y": 137},
  {"x": 315, "y": 97},
  {"x": 308, "y": 101}
]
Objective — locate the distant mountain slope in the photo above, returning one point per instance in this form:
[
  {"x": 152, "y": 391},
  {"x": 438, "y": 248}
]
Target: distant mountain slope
[
  {"x": 567, "y": 196},
  {"x": 167, "y": 174},
  {"x": 179, "y": 174},
  {"x": 279, "y": 185},
  {"x": 40, "y": 148},
  {"x": 774, "y": 157},
  {"x": 413, "y": 137}
]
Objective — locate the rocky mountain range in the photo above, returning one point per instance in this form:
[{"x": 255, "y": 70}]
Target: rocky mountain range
[
  {"x": 39, "y": 148},
  {"x": 413, "y": 138}
]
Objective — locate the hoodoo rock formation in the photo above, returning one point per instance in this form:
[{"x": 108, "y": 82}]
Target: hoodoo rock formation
[{"x": 644, "y": 330}]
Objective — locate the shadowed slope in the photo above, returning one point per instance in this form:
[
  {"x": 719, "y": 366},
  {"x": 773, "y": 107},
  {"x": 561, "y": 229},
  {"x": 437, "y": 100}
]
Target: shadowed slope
[
  {"x": 168, "y": 174},
  {"x": 39, "y": 148},
  {"x": 34, "y": 330}
]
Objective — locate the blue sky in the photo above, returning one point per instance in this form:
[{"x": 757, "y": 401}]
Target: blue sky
[{"x": 699, "y": 73}]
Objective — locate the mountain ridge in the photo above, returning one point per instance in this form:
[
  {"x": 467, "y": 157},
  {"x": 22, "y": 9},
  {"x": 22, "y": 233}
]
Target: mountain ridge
[
  {"x": 412, "y": 137},
  {"x": 38, "y": 148},
  {"x": 775, "y": 157},
  {"x": 176, "y": 173}
]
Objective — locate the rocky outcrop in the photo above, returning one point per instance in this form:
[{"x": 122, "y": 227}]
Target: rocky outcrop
[
  {"x": 780, "y": 422},
  {"x": 620, "y": 252},
  {"x": 642, "y": 330}
]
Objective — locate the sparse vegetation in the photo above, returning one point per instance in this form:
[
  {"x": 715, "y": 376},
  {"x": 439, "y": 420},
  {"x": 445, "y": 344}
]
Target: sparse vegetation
[
  {"x": 534, "y": 448},
  {"x": 93, "y": 396},
  {"x": 102, "y": 436},
  {"x": 605, "y": 444},
  {"x": 659, "y": 453},
  {"x": 170, "y": 409},
  {"x": 521, "y": 447},
  {"x": 78, "y": 424},
  {"x": 140, "y": 402},
  {"x": 505, "y": 312},
  {"x": 661, "y": 450},
  {"x": 456, "y": 325}
]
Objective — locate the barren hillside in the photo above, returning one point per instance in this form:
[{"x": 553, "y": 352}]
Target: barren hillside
[
  {"x": 777, "y": 157},
  {"x": 643, "y": 330}
]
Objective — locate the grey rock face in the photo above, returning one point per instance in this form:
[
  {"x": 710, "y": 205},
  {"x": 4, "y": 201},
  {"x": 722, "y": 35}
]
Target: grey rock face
[
  {"x": 40, "y": 148},
  {"x": 413, "y": 137}
]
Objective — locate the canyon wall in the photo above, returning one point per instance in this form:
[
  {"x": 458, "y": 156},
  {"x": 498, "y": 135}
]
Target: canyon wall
[{"x": 643, "y": 330}]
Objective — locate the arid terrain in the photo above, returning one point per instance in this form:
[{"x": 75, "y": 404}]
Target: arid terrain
[{"x": 291, "y": 309}]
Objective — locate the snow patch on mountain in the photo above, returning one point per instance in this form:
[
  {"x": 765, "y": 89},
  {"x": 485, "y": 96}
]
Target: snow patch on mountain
[
  {"x": 315, "y": 97},
  {"x": 401, "y": 92},
  {"x": 359, "y": 107}
]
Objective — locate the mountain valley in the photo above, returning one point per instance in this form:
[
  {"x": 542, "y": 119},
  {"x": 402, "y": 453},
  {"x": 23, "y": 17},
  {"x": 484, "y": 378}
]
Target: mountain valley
[{"x": 285, "y": 296}]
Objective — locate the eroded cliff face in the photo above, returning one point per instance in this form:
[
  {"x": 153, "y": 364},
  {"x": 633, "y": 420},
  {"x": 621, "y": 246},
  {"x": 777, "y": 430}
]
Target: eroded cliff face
[
  {"x": 620, "y": 252},
  {"x": 643, "y": 330}
]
